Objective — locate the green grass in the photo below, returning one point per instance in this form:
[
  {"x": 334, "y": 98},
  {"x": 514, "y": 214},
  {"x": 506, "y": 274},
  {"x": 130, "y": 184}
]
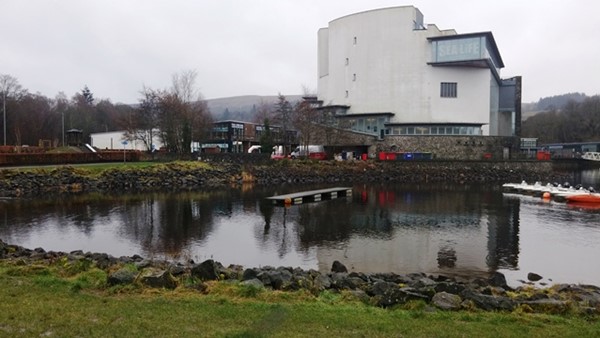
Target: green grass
[
  {"x": 98, "y": 168},
  {"x": 46, "y": 301}
]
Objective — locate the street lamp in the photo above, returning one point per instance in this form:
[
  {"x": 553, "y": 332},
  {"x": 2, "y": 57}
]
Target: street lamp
[
  {"x": 63, "y": 129},
  {"x": 4, "y": 111}
]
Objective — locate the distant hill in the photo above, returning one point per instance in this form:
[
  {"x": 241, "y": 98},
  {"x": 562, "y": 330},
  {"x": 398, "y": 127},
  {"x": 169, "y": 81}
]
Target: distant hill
[
  {"x": 555, "y": 102},
  {"x": 243, "y": 108}
]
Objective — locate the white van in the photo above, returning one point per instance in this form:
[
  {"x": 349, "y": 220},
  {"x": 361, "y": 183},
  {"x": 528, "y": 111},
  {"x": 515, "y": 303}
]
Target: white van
[
  {"x": 254, "y": 149},
  {"x": 316, "y": 152}
]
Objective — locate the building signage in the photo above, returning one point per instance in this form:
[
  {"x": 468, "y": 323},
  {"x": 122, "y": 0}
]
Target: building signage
[{"x": 459, "y": 49}]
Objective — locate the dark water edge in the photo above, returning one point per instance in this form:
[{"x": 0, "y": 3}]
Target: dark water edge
[{"x": 468, "y": 229}]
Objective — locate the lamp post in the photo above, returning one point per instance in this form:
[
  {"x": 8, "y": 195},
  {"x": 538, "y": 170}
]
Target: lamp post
[
  {"x": 63, "y": 129},
  {"x": 124, "y": 143},
  {"x": 4, "y": 112}
]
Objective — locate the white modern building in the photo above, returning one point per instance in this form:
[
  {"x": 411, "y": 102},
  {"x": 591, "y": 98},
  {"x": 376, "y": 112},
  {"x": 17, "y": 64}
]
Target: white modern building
[
  {"x": 384, "y": 72},
  {"x": 118, "y": 140}
]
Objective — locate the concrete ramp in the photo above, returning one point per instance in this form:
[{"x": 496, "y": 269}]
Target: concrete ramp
[{"x": 90, "y": 148}]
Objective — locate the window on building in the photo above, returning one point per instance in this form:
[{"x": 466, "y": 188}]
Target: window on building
[
  {"x": 346, "y": 93},
  {"x": 355, "y": 40},
  {"x": 448, "y": 89},
  {"x": 347, "y": 61},
  {"x": 354, "y": 77}
]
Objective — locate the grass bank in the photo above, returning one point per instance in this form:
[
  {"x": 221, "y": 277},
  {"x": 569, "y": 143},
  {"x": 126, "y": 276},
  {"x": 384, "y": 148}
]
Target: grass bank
[
  {"x": 69, "y": 301},
  {"x": 93, "y": 169}
]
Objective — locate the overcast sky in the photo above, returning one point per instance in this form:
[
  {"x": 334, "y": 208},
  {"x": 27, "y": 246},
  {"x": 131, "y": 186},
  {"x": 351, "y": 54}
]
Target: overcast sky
[{"x": 263, "y": 47}]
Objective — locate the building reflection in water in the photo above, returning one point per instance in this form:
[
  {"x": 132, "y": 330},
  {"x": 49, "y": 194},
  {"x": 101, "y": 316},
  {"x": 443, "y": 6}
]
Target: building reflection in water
[
  {"x": 428, "y": 228},
  {"x": 419, "y": 228}
]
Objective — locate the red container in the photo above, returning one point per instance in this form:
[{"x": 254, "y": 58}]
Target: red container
[
  {"x": 543, "y": 156},
  {"x": 390, "y": 156},
  {"x": 382, "y": 156},
  {"x": 363, "y": 157}
]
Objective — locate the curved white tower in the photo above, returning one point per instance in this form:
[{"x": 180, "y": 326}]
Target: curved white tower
[{"x": 385, "y": 73}]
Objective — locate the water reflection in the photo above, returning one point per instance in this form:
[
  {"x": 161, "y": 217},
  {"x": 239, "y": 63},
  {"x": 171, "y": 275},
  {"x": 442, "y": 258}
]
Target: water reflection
[
  {"x": 429, "y": 228},
  {"x": 389, "y": 228}
]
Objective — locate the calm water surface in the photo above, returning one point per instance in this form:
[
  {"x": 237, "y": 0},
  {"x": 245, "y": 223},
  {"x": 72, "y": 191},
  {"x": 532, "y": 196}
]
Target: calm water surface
[{"x": 453, "y": 229}]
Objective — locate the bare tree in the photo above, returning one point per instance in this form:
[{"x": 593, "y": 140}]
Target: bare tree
[
  {"x": 282, "y": 113},
  {"x": 10, "y": 87},
  {"x": 264, "y": 111},
  {"x": 143, "y": 123},
  {"x": 189, "y": 113},
  {"x": 305, "y": 121}
]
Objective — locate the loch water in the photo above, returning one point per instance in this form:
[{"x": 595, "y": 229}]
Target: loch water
[{"x": 456, "y": 229}]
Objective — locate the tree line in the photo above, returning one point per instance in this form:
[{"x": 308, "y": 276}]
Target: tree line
[
  {"x": 575, "y": 121},
  {"x": 178, "y": 115}
]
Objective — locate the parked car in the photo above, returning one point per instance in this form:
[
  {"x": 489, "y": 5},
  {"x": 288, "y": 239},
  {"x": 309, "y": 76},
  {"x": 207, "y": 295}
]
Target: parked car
[{"x": 316, "y": 152}]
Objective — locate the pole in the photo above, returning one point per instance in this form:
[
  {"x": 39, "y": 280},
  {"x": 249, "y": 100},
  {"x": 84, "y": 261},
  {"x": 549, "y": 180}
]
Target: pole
[
  {"x": 124, "y": 143},
  {"x": 63, "y": 114},
  {"x": 4, "y": 110}
]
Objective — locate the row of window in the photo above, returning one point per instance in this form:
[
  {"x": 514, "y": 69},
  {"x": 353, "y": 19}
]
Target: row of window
[
  {"x": 447, "y": 89},
  {"x": 434, "y": 130}
]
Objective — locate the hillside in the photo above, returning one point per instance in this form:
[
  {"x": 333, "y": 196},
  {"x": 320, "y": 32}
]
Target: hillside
[
  {"x": 243, "y": 108},
  {"x": 556, "y": 102}
]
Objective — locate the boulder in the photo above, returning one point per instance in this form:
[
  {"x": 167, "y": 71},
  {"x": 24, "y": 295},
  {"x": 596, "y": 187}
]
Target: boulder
[
  {"x": 177, "y": 269},
  {"x": 449, "y": 287},
  {"x": 534, "y": 277},
  {"x": 446, "y": 301},
  {"x": 121, "y": 276},
  {"x": 488, "y": 303},
  {"x": 321, "y": 282},
  {"x": 498, "y": 279},
  {"x": 337, "y": 266},
  {"x": 380, "y": 288},
  {"x": 207, "y": 270},
  {"x": 280, "y": 278},
  {"x": 395, "y": 296},
  {"x": 250, "y": 274},
  {"x": 254, "y": 282},
  {"x": 158, "y": 279},
  {"x": 552, "y": 306}
]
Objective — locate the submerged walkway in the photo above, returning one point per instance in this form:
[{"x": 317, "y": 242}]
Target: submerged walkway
[{"x": 311, "y": 196}]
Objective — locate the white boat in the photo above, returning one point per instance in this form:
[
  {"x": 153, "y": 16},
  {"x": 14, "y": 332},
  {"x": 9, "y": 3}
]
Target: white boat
[
  {"x": 588, "y": 197},
  {"x": 556, "y": 192},
  {"x": 591, "y": 156},
  {"x": 561, "y": 194},
  {"x": 513, "y": 186}
]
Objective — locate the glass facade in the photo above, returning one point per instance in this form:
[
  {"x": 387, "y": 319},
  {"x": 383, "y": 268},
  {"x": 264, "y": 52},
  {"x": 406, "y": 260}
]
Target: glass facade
[
  {"x": 368, "y": 124},
  {"x": 434, "y": 130},
  {"x": 464, "y": 49}
]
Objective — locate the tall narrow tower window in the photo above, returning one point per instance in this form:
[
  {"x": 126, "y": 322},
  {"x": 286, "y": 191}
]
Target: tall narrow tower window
[
  {"x": 346, "y": 93},
  {"x": 354, "y": 77},
  {"x": 347, "y": 61},
  {"x": 355, "y": 40}
]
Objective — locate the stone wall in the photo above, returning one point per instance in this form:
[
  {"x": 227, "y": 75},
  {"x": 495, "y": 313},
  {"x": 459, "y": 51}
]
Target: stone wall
[
  {"x": 442, "y": 147},
  {"x": 453, "y": 147}
]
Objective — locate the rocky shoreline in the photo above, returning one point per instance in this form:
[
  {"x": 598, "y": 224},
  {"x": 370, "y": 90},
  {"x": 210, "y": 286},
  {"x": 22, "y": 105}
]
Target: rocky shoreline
[
  {"x": 378, "y": 289},
  {"x": 175, "y": 176}
]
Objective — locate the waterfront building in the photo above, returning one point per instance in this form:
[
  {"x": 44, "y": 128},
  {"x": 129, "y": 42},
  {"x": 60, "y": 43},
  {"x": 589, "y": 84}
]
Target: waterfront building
[{"x": 385, "y": 73}]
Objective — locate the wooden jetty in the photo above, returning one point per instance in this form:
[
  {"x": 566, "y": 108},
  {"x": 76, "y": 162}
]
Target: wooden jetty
[{"x": 311, "y": 196}]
